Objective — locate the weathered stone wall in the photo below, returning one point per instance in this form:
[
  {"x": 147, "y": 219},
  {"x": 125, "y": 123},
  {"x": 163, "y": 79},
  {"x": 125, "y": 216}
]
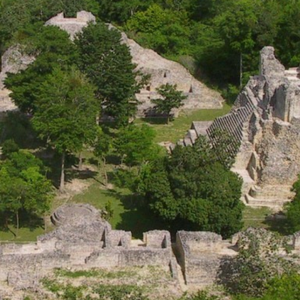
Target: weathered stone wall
[
  {"x": 72, "y": 25},
  {"x": 265, "y": 121},
  {"x": 199, "y": 255}
]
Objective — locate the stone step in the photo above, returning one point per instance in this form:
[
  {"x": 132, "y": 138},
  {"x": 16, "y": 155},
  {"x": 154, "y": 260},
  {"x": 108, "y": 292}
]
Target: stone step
[
  {"x": 187, "y": 141},
  {"x": 266, "y": 202}
]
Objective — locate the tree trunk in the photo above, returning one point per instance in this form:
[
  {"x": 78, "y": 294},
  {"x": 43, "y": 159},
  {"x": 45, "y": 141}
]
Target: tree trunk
[
  {"x": 80, "y": 161},
  {"x": 62, "y": 174},
  {"x": 241, "y": 70},
  {"x": 105, "y": 173},
  {"x": 45, "y": 223},
  {"x": 6, "y": 221},
  {"x": 18, "y": 224}
]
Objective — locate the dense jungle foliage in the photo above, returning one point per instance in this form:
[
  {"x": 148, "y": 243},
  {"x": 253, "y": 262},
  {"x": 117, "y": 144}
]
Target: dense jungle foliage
[{"x": 217, "y": 40}]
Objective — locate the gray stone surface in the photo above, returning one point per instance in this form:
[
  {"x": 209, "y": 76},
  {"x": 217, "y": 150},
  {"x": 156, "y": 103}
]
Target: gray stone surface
[
  {"x": 82, "y": 239},
  {"x": 200, "y": 255},
  {"x": 72, "y": 25}
]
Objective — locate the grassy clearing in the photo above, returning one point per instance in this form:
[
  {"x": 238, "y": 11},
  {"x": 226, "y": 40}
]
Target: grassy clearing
[
  {"x": 175, "y": 130},
  {"x": 262, "y": 217},
  {"x": 24, "y": 234},
  {"x": 128, "y": 213},
  {"x": 122, "y": 283},
  {"x": 100, "y": 273},
  {"x": 255, "y": 217}
]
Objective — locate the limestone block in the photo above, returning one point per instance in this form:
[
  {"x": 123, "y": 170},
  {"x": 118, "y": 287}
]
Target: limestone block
[
  {"x": 118, "y": 238},
  {"x": 72, "y": 25},
  {"x": 141, "y": 257},
  {"x": 157, "y": 239}
]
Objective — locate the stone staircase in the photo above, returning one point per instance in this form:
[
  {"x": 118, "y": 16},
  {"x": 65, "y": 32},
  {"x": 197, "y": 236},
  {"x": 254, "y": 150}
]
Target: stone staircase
[
  {"x": 233, "y": 123},
  {"x": 279, "y": 195}
]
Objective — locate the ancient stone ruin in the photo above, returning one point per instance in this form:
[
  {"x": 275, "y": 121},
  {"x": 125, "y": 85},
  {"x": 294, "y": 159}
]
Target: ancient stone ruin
[
  {"x": 72, "y": 25},
  {"x": 162, "y": 71},
  {"x": 83, "y": 240},
  {"x": 265, "y": 121}
]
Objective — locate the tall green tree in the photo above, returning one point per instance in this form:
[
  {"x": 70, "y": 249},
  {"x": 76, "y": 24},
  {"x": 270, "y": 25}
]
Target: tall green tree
[
  {"x": 293, "y": 209},
  {"x": 107, "y": 63},
  {"x": 119, "y": 11},
  {"x": 166, "y": 31},
  {"x": 66, "y": 113}
]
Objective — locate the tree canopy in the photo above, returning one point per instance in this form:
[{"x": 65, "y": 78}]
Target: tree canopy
[
  {"x": 194, "y": 189},
  {"x": 293, "y": 209},
  {"x": 107, "y": 63},
  {"x": 170, "y": 98},
  {"x": 23, "y": 186},
  {"x": 66, "y": 112}
]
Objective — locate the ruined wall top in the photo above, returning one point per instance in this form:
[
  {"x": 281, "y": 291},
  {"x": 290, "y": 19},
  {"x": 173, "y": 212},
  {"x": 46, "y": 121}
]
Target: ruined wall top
[
  {"x": 269, "y": 65},
  {"x": 72, "y": 25},
  {"x": 200, "y": 242}
]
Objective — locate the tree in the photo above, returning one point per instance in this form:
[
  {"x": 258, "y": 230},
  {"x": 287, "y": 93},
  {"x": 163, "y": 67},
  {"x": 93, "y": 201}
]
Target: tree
[
  {"x": 107, "y": 63},
  {"x": 119, "y": 11},
  {"x": 52, "y": 48},
  {"x": 9, "y": 147},
  {"x": 171, "y": 98},
  {"x": 102, "y": 146},
  {"x": 66, "y": 113},
  {"x": 166, "y": 31},
  {"x": 135, "y": 144},
  {"x": 23, "y": 186},
  {"x": 193, "y": 189}
]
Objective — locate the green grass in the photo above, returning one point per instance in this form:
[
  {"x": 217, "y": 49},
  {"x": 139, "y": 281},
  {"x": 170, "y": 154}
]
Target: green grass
[
  {"x": 99, "y": 197},
  {"x": 262, "y": 217},
  {"x": 128, "y": 213},
  {"x": 255, "y": 217},
  {"x": 24, "y": 234},
  {"x": 115, "y": 274},
  {"x": 176, "y": 130}
]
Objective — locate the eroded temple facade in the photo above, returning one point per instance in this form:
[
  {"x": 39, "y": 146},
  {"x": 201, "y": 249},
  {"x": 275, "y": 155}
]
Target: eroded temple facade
[{"x": 265, "y": 121}]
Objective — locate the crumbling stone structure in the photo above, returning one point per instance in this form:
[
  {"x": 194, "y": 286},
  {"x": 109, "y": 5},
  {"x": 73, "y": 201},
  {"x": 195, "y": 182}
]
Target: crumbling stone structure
[
  {"x": 198, "y": 256},
  {"x": 265, "y": 122},
  {"x": 162, "y": 71},
  {"x": 82, "y": 240},
  {"x": 72, "y": 25}
]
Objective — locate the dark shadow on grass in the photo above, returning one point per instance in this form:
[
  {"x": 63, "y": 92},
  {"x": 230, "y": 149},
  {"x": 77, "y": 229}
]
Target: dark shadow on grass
[
  {"x": 94, "y": 161},
  {"x": 30, "y": 220},
  {"x": 137, "y": 217},
  {"x": 156, "y": 120},
  {"x": 80, "y": 174},
  {"x": 277, "y": 224}
]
